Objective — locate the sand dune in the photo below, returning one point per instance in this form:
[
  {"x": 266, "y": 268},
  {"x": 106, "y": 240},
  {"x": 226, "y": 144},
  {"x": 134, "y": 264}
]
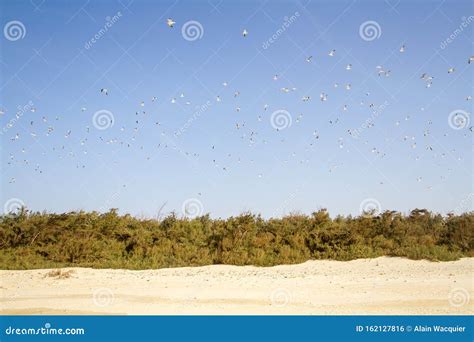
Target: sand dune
[{"x": 366, "y": 286}]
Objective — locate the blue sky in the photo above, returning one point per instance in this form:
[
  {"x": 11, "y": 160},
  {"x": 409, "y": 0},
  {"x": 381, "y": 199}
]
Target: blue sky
[{"x": 405, "y": 154}]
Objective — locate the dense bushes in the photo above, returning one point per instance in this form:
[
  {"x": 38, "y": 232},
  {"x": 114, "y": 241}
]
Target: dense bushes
[{"x": 40, "y": 240}]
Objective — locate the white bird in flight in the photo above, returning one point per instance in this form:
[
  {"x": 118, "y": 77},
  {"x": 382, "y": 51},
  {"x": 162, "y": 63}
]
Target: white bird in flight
[{"x": 170, "y": 22}]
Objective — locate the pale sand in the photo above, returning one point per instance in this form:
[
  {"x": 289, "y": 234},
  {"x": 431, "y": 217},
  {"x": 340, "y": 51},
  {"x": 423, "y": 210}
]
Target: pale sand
[{"x": 366, "y": 286}]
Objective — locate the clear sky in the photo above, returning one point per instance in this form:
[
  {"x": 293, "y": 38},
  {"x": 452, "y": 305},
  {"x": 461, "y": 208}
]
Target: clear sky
[{"x": 383, "y": 137}]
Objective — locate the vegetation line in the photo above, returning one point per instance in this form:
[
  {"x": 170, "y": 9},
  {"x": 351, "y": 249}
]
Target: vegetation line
[{"x": 90, "y": 239}]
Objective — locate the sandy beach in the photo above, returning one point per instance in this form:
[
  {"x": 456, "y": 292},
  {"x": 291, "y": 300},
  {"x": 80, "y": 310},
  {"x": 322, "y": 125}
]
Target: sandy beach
[{"x": 365, "y": 286}]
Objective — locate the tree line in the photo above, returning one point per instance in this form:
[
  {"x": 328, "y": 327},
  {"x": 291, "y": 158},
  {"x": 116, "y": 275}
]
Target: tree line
[{"x": 109, "y": 240}]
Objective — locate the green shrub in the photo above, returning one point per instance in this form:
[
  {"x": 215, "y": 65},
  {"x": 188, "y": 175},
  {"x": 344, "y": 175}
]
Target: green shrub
[{"x": 42, "y": 240}]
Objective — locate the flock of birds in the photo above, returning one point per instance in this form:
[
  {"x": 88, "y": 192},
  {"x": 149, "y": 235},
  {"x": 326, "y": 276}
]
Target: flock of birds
[{"x": 45, "y": 126}]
